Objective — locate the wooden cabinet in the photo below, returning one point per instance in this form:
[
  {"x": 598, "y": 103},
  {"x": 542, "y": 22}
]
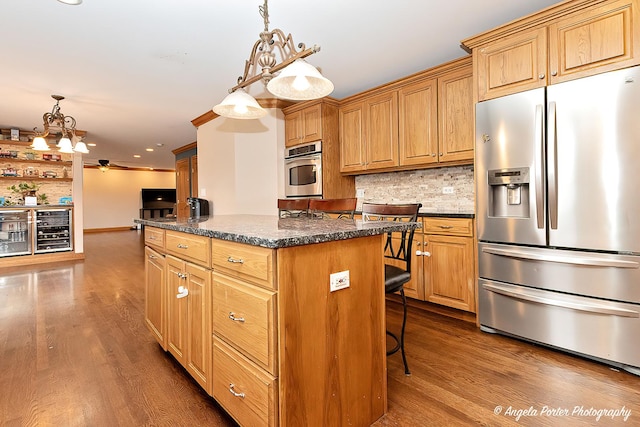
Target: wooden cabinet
[
  {"x": 444, "y": 270},
  {"x": 571, "y": 40},
  {"x": 425, "y": 120},
  {"x": 155, "y": 295},
  {"x": 303, "y": 126},
  {"x": 189, "y": 317},
  {"x": 318, "y": 121},
  {"x": 186, "y": 177}
]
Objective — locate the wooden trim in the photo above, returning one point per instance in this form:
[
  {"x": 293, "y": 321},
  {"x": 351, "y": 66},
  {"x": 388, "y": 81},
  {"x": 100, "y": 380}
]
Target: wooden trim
[
  {"x": 188, "y": 147},
  {"x": 264, "y": 103},
  {"x": 123, "y": 168},
  {"x": 17, "y": 261},
  {"x": 305, "y": 104},
  {"x": 109, "y": 229},
  {"x": 535, "y": 19}
]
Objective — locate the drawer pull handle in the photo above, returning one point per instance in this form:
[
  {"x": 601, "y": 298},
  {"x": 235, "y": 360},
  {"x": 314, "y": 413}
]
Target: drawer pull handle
[
  {"x": 152, "y": 238},
  {"x": 181, "y": 246},
  {"x": 446, "y": 227},
  {"x": 182, "y": 292},
  {"x": 232, "y": 391},
  {"x": 233, "y": 317},
  {"x": 152, "y": 257},
  {"x": 237, "y": 261}
]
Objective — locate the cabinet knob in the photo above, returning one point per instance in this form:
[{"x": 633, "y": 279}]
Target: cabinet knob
[
  {"x": 441, "y": 154},
  {"x": 423, "y": 253},
  {"x": 233, "y": 317},
  {"x": 541, "y": 76},
  {"x": 236, "y": 394},
  {"x": 554, "y": 73},
  {"x": 433, "y": 154}
]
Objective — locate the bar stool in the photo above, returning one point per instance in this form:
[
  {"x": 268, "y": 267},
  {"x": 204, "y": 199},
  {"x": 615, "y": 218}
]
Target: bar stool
[
  {"x": 397, "y": 250},
  {"x": 293, "y": 208},
  {"x": 332, "y": 208}
]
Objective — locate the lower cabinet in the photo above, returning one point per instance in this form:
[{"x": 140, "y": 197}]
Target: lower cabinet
[
  {"x": 189, "y": 317},
  {"x": 444, "y": 264}
]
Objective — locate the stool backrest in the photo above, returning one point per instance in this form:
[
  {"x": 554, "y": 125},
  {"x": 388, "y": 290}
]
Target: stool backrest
[
  {"x": 293, "y": 207},
  {"x": 332, "y": 208},
  {"x": 398, "y": 245}
]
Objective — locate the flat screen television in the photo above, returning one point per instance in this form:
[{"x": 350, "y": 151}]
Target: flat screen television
[{"x": 158, "y": 198}]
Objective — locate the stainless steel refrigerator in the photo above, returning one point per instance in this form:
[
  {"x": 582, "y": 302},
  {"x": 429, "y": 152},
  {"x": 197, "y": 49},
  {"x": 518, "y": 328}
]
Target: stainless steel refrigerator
[{"x": 558, "y": 212}]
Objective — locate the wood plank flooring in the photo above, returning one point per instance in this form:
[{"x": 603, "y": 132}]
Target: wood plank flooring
[{"x": 74, "y": 351}]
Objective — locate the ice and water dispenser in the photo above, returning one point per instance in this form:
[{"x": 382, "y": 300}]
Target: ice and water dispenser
[{"x": 509, "y": 192}]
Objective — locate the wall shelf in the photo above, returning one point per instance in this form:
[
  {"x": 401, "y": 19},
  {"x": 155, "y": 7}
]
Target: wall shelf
[
  {"x": 46, "y": 162},
  {"x": 31, "y": 178}
]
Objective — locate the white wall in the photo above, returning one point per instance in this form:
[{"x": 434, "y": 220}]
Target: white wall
[
  {"x": 240, "y": 164},
  {"x": 112, "y": 198}
]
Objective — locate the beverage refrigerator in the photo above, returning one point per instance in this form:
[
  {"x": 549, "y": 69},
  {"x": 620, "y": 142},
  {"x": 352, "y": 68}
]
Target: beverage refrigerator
[{"x": 558, "y": 213}]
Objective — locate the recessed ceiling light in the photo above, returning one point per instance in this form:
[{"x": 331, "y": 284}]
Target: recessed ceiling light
[
  {"x": 149, "y": 149},
  {"x": 71, "y": 2},
  {"x": 91, "y": 144},
  {"x": 137, "y": 156},
  {"x": 159, "y": 145}
]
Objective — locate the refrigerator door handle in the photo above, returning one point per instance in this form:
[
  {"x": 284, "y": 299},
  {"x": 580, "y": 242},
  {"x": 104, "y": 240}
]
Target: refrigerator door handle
[
  {"x": 539, "y": 166},
  {"x": 552, "y": 169},
  {"x": 576, "y": 260},
  {"x": 538, "y": 297}
]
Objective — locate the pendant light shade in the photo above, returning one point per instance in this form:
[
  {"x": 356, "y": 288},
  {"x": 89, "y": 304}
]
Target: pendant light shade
[
  {"x": 40, "y": 144},
  {"x": 300, "y": 81},
  {"x": 64, "y": 146},
  {"x": 239, "y": 105},
  {"x": 81, "y": 147}
]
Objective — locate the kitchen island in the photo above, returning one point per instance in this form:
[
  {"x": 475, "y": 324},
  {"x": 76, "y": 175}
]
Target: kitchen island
[{"x": 246, "y": 303}]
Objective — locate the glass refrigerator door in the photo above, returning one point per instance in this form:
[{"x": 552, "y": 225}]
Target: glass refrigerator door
[
  {"x": 53, "y": 230},
  {"x": 15, "y": 232}
]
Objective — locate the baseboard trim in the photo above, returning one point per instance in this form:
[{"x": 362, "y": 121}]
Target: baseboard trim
[
  {"x": 18, "y": 261},
  {"x": 106, "y": 230}
]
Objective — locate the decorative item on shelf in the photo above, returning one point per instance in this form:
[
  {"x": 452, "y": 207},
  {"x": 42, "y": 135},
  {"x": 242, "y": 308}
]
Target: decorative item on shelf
[
  {"x": 15, "y": 134},
  {"x": 65, "y": 200},
  {"x": 298, "y": 80},
  {"x": 9, "y": 172},
  {"x": 26, "y": 190},
  {"x": 49, "y": 174},
  {"x": 8, "y": 153},
  {"x": 65, "y": 125},
  {"x": 30, "y": 172},
  {"x": 52, "y": 157},
  {"x": 29, "y": 155}
]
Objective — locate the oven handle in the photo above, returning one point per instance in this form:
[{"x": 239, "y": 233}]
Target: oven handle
[{"x": 303, "y": 158}]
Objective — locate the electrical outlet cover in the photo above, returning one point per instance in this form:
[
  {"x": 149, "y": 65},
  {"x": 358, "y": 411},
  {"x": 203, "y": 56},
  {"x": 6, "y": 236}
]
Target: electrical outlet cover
[{"x": 338, "y": 280}]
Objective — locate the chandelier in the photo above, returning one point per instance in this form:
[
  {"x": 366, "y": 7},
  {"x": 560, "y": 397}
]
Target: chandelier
[
  {"x": 57, "y": 122},
  {"x": 298, "y": 80}
]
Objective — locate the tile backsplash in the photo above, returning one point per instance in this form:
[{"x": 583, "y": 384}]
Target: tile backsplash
[{"x": 424, "y": 186}]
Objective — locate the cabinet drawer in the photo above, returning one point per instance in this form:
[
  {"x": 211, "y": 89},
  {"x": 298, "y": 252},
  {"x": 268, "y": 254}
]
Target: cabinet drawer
[
  {"x": 449, "y": 226},
  {"x": 244, "y": 261},
  {"x": 247, "y": 392},
  {"x": 188, "y": 246},
  {"x": 244, "y": 315},
  {"x": 154, "y": 237}
]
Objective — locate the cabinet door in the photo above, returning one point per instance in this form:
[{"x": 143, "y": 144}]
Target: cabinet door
[
  {"x": 418, "y": 122},
  {"x": 183, "y": 186},
  {"x": 352, "y": 148},
  {"x": 198, "y": 354},
  {"x": 312, "y": 123},
  {"x": 381, "y": 131},
  {"x": 456, "y": 120},
  {"x": 293, "y": 129},
  {"x": 194, "y": 175},
  {"x": 512, "y": 64},
  {"x": 415, "y": 287},
  {"x": 594, "y": 41},
  {"x": 176, "y": 309},
  {"x": 155, "y": 296},
  {"x": 451, "y": 271}
]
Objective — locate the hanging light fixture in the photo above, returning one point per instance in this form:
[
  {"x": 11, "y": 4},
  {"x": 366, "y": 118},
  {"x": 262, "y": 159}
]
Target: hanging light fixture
[
  {"x": 65, "y": 125},
  {"x": 104, "y": 165},
  {"x": 298, "y": 80}
]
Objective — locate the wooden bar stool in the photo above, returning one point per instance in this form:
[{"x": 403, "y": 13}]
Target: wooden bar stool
[
  {"x": 293, "y": 208},
  {"x": 332, "y": 208},
  {"x": 397, "y": 253}
]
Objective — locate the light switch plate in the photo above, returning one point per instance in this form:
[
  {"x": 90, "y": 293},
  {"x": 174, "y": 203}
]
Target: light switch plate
[
  {"x": 360, "y": 192},
  {"x": 338, "y": 280},
  {"x": 447, "y": 190}
]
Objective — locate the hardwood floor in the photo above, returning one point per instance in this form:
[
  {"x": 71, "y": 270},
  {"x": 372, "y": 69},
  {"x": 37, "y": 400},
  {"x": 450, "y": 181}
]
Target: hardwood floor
[{"x": 74, "y": 351}]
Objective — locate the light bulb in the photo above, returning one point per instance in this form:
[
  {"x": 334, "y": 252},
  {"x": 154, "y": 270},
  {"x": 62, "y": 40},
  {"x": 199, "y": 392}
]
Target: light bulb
[
  {"x": 240, "y": 108},
  {"x": 300, "y": 83}
]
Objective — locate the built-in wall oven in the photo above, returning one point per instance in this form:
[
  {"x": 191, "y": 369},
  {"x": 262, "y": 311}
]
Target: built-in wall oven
[{"x": 303, "y": 170}]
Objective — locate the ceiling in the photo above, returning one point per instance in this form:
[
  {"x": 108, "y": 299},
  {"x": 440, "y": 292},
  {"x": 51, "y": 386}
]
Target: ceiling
[{"x": 136, "y": 72}]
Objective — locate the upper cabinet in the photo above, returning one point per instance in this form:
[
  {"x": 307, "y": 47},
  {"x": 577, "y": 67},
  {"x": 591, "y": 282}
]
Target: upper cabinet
[
  {"x": 571, "y": 40},
  {"x": 317, "y": 120},
  {"x": 422, "y": 121},
  {"x": 303, "y": 126}
]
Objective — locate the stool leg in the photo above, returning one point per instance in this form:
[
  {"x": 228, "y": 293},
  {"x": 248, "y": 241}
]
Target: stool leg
[{"x": 404, "y": 322}]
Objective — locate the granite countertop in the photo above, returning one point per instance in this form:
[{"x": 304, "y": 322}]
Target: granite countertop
[
  {"x": 460, "y": 214},
  {"x": 273, "y": 232}
]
